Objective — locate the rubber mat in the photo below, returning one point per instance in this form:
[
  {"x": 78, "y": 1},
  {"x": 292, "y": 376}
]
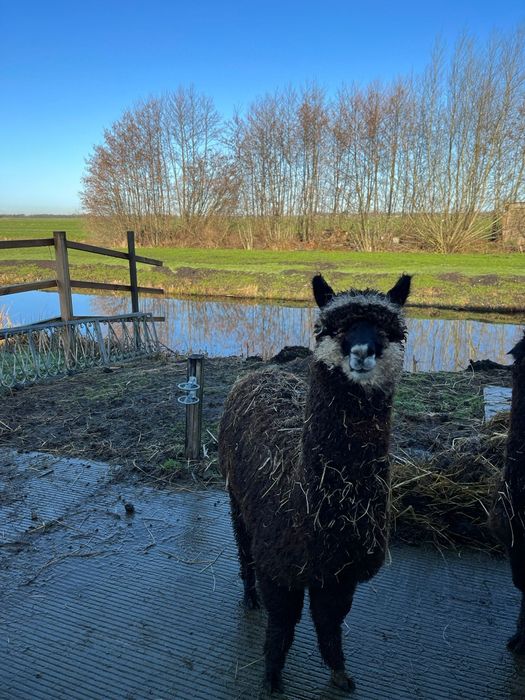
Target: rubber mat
[{"x": 134, "y": 595}]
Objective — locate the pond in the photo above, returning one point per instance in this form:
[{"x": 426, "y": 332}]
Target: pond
[{"x": 234, "y": 327}]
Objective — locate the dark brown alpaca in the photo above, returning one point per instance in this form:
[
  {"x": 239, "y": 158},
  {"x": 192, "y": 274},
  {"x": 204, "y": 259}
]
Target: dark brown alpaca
[
  {"x": 308, "y": 474},
  {"x": 509, "y": 510}
]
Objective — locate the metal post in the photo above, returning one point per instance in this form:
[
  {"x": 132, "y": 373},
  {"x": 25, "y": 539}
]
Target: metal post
[{"x": 194, "y": 411}]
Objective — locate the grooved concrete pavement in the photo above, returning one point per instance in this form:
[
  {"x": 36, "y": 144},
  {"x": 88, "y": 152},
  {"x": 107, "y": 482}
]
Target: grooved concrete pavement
[{"x": 97, "y": 604}]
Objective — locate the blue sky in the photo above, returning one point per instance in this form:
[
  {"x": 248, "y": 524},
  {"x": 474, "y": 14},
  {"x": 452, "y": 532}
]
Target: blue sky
[{"x": 68, "y": 70}]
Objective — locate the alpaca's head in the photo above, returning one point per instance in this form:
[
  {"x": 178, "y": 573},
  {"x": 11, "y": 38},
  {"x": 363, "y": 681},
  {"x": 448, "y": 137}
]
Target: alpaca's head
[{"x": 362, "y": 332}]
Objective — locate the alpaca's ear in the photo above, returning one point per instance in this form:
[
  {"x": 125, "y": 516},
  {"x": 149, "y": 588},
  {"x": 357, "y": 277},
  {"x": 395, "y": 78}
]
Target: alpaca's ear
[
  {"x": 518, "y": 351},
  {"x": 323, "y": 293},
  {"x": 400, "y": 291}
]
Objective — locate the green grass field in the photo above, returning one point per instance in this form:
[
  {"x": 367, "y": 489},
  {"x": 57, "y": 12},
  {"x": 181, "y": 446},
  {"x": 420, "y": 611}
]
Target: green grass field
[
  {"x": 462, "y": 280},
  {"x": 42, "y": 227}
]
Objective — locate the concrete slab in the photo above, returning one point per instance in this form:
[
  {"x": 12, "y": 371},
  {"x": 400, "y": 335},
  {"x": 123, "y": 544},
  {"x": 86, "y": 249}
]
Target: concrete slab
[
  {"x": 105, "y": 605},
  {"x": 37, "y": 488}
]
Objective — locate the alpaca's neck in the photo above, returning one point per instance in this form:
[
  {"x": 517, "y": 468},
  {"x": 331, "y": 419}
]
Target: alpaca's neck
[
  {"x": 516, "y": 440},
  {"x": 346, "y": 432}
]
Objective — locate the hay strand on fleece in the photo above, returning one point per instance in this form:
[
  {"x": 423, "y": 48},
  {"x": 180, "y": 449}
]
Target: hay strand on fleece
[
  {"x": 443, "y": 498},
  {"x": 285, "y": 395}
]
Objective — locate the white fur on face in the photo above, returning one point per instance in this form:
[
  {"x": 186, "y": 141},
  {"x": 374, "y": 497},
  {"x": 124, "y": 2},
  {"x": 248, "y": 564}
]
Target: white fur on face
[
  {"x": 383, "y": 375},
  {"x": 360, "y": 359}
]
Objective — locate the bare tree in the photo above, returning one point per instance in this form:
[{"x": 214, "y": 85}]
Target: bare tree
[
  {"x": 473, "y": 142},
  {"x": 312, "y": 123},
  {"x": 199, "y": 171},
  {"x": 437, "y": 156},
  {"x": 264, "y": 142},
  {"x": 162, "y": 168},
  {"x": 365, "y": 153}
]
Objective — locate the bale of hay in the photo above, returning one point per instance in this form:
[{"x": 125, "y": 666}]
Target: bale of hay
[{"x": 446, "y": 498}]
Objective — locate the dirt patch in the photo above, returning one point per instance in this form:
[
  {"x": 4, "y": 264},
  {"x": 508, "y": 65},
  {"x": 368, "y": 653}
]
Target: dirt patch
[
  {"x": 451, "y": 277},
  {"x": 191, "y": 273},
  {"x": 488, "y": 280},
  {"x": 292, "y": 273},
  {"x": 46, "y": 264},
  {"x": 129, "y": 416}
]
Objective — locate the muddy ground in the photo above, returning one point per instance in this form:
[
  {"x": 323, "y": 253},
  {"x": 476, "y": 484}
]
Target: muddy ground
[
  {"x": 129, "y": 417},
  {"x": 129, "y": 414}
]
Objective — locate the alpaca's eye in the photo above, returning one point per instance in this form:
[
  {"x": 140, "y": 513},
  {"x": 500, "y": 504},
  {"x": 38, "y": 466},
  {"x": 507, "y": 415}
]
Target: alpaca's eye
[{"x": 391, "y": 338}]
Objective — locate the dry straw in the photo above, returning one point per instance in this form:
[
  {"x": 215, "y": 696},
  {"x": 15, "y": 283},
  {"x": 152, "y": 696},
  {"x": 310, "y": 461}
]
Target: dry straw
[{"x": 446, "y": 499}]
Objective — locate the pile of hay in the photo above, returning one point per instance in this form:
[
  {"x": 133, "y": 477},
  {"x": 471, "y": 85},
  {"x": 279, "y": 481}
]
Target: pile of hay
[{"x": 445, "y": 499}]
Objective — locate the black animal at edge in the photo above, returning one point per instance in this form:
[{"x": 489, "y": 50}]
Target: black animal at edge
[{"x": 508, "y": 517}]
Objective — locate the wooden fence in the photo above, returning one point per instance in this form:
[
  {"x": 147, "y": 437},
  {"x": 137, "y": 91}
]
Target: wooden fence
[
  {"x": 63, "y": 282},
  {"x": 56, "y": 346}
]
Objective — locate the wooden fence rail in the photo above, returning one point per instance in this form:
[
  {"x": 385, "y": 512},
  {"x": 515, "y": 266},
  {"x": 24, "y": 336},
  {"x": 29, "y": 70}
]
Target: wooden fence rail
[
  {"x": 63, "y": 281},
  {"x": 27, "y": 243},
  {"x": 112, "y": 253},
  {"x": 27, "y": 287}
]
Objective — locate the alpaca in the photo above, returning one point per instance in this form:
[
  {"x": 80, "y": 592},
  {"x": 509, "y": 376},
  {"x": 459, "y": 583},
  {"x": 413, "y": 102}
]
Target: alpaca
[
  {"x": 508, "y": 516},
  {"x": 307, "y": 471}
]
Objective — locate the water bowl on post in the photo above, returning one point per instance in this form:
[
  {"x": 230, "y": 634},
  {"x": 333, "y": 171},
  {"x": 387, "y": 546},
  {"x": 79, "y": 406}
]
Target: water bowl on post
[{"x": 192, "y": 399}]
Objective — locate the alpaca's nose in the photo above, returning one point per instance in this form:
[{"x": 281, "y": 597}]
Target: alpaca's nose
[{"x": 362, "y": 357}]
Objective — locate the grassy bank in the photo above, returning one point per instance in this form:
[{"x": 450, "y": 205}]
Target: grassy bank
[{"x": 486, "y": 281}]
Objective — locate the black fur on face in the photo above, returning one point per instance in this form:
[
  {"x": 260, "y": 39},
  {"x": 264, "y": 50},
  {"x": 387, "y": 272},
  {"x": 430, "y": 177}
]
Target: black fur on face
[
  {"x": 339, "y": 312},
  {"x": 354, "y": 309},
  {"x": 363, "y": 344},
  {"x": 364, "y": 334},
  {"x": 361, "y": 332}
]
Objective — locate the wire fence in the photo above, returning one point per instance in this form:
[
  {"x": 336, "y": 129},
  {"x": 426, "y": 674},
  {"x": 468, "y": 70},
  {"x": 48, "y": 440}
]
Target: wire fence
[{"x": 42, "y": 351}]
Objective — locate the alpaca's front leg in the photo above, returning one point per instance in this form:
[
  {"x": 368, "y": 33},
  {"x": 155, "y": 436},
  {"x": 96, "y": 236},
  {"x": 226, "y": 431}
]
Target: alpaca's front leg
[
  {"x": 516, "y": 643},
  {"x": 244, "y": 544},
  {"x": 329, "y": 607},
  {"x": 284, "y": 612}
]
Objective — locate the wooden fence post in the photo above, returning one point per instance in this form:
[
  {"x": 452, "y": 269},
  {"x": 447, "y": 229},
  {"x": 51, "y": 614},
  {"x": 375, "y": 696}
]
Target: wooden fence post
[
  {"x": 63, "y": 276},
  {"x": 194, "y": 411},
  {"x": 133, "y": 272},
  {"x": 64, "y": 293},
  {"x": 133, "y": 282}
]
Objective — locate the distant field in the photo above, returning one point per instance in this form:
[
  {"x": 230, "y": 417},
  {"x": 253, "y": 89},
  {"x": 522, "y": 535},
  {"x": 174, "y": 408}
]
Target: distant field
[
  {"x": 462, "y": 280},
  {"x": 40, "y": 227}
]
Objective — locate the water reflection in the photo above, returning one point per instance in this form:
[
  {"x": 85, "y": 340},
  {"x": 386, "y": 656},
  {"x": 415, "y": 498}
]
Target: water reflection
[
  {"x": 222, "y": 328},
  {"x": 440, "y": 344}
]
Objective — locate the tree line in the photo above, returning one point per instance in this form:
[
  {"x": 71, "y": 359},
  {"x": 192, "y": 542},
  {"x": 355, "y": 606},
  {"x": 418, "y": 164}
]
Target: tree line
[{"x": 428, "y": 160}]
